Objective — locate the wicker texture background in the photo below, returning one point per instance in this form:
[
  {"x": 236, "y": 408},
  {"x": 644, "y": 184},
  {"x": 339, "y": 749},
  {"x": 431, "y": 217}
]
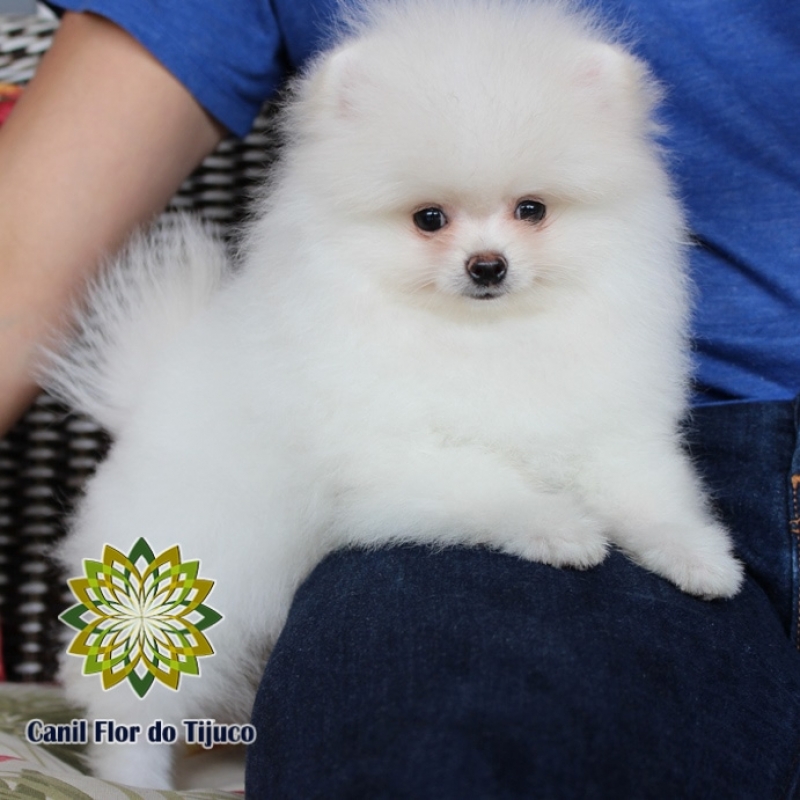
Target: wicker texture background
[{"x": 46, "y": 458}]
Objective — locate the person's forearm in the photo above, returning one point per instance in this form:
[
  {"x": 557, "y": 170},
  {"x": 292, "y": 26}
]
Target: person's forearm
[{"x": 98, "y": 143}]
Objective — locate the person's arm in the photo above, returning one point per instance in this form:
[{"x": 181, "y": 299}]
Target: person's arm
[{"x": 97, "y": 144}]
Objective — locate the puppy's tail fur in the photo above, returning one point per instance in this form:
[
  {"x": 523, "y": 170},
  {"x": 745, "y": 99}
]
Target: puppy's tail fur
[{"x": 142, "y": 299}]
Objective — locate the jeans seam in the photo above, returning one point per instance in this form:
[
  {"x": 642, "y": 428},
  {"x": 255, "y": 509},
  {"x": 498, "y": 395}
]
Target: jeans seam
[{"x": 794, "y": 527}]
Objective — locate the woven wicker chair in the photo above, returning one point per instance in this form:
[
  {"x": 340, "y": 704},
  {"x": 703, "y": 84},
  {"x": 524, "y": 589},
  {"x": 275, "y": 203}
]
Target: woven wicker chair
[{"x": 46, "y": 458}]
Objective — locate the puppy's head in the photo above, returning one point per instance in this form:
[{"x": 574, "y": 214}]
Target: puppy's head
[{"x": 478, "y": 152}]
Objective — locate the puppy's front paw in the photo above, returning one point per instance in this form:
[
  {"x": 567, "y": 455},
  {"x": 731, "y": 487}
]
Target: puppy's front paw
[
  {"x": 701, "y": 564},
  {"x": 575, "y": 540},
  {"x": 565, "y": 550}
]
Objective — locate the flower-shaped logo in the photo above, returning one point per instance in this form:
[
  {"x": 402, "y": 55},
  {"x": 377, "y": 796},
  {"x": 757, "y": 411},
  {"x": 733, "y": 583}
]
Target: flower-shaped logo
[{"x": 141, "y": 624}]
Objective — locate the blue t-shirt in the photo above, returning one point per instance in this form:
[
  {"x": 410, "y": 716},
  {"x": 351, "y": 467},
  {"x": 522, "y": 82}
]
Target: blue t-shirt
[
  {"x": 231, "y": 54},
  {"x": 732, "y": 73}
]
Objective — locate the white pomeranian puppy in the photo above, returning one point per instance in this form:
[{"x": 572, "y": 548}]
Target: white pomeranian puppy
[{"x": 459, "y": 317}]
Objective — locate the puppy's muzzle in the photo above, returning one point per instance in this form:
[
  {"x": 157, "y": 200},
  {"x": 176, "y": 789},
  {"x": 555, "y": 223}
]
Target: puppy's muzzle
[{"x": 487, "y": 269}]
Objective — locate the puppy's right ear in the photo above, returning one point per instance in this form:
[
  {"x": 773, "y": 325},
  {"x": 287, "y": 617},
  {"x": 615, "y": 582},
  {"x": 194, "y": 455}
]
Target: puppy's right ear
[{"x": 337, "y": 82}]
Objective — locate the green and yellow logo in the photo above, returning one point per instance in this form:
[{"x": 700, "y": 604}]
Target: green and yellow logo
[{"x": 141, "y": 617}]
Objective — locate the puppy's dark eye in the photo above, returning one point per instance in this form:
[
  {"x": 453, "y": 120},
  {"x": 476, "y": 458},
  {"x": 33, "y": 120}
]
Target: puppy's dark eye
[
  {"x": 530, "y": 210},
  {"x": 430, "y": 219}
]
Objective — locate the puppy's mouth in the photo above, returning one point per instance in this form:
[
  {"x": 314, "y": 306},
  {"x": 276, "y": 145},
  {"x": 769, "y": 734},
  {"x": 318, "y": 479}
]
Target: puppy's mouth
[{"x": 485, "y": 293}]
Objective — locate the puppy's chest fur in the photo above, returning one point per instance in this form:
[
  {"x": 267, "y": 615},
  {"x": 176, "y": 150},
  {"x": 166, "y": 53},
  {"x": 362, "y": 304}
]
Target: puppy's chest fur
[{"x": 368, "y": 373}]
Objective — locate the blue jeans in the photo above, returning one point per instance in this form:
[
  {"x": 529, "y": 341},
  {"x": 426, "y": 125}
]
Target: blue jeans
[{"x": 464, "y": 673}]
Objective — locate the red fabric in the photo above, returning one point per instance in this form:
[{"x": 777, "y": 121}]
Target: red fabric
[{"x": 8, "y": 96}]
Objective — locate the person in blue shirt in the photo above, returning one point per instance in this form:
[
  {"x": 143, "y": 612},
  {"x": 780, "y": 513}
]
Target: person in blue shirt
[{"x": 466, "y": 673}]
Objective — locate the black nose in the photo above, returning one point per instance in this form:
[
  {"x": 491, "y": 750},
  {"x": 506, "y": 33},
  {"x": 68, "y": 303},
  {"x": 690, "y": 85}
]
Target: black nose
[{"x": 487, "y": 269}]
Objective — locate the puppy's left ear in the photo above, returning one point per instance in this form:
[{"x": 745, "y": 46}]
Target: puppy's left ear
[
  {"x": 336, "y": 82},
  {"x": 615, "y": 82}
]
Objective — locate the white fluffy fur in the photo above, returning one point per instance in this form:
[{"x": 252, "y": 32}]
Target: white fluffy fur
[
  {"x": 158, "y": 283},
  {"x": 345, "y": 388}
]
